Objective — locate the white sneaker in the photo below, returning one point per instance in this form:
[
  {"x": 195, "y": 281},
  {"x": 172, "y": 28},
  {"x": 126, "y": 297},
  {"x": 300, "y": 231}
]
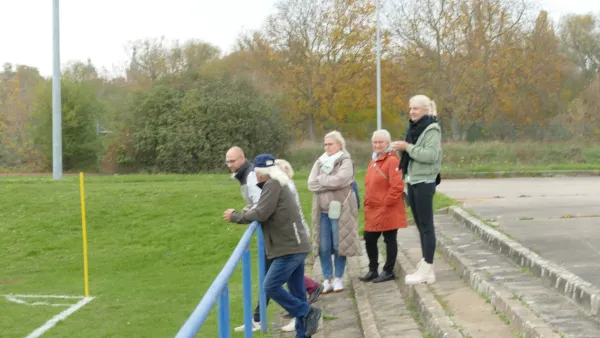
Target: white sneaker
[
  {"x": 424, "y": 274},
  {"x": 255, "y": 327},
  {"x": 291, "y": 327},
  {"x": 327, "y": 287},
  {"x": 418, "y": 266},
  {"x": 337, "y": 285}
]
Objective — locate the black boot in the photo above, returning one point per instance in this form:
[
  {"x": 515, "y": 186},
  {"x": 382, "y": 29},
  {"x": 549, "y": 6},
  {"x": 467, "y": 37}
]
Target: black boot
[
  {"x": 384, "y": 277},
  {"x": 369, "y": 276}
]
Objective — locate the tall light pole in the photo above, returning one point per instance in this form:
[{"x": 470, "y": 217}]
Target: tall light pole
[
  {"x": 56, "y": 97},
  {"x": 378, "y": 67}
]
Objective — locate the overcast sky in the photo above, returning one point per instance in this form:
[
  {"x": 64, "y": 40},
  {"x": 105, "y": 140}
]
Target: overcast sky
[{"x": 100, "y": 30}]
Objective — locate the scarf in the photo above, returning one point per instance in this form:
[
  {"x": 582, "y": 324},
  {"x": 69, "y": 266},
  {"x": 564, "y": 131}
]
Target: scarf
[
  {"x": 375, "y": 156},
  {"x": 415, "y": 129},
  {"x": 327, "y": 162}
]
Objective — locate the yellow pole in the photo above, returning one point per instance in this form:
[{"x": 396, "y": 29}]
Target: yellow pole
[{"x": 83, "y": 224}]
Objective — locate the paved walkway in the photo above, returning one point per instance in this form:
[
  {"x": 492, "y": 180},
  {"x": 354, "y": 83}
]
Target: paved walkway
[
  {"x": 383, "y": 311},
  {"x": 340, "y": 318},
  {"x": 363, "y": 309}
]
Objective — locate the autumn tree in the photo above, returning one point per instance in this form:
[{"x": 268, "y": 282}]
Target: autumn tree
[
  {"x": 157, "y": 59},
  {"x": 321, "y": 56},
  {"x": 17, "y": 95},
  {"x": 456, "y": 50},
  {"x": 580, "y": 41}
]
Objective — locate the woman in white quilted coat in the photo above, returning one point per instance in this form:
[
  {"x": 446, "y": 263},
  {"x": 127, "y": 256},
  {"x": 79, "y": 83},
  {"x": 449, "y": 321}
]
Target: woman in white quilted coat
[{"x": 334, "y": 211}]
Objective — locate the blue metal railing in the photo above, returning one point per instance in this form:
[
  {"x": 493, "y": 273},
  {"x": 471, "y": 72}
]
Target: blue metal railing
[{"x": 219, "y": 290}]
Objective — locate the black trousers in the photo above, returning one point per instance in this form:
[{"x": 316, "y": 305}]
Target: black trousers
[
  {"x": 391, "y": 245},
  {"x": 420, "y": 198},
  {"x": 257, "y": 310}
]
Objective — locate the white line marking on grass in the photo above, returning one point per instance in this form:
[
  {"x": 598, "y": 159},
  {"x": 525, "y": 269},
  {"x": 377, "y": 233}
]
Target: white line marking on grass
[
  {"x": 15, "y": 299},
  {"x": 47, "y": 296},
  {"x": 61, "y": 316}
]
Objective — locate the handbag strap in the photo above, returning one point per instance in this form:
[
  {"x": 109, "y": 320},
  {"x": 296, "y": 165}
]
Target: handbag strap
[{"x": 381, "y": 172}]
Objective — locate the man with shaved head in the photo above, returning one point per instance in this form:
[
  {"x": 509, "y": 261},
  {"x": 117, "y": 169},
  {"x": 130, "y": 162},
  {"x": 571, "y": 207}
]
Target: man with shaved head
[{"x": 243, "y": 171}]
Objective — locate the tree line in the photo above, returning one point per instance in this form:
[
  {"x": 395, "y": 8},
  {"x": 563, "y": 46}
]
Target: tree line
[{"x": 497, "y": 69}]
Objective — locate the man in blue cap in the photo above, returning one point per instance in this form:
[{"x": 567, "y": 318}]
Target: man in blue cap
[{"x": 286, "y": 243}]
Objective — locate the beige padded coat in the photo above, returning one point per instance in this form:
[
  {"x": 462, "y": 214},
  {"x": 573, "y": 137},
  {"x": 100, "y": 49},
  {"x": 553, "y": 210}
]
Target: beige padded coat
[{"x": 335, "y": 186}]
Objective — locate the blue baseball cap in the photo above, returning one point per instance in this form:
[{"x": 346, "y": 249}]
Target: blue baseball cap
[{"x": 264, "y": 161}]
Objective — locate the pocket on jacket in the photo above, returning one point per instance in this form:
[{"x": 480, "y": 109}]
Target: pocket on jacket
[{"x": 388, "y": 216}]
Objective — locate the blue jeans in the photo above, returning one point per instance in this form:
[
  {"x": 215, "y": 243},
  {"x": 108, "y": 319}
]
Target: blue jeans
[
  {"x": 289, "y": 269},
  {"x": 329, "y": 245}
]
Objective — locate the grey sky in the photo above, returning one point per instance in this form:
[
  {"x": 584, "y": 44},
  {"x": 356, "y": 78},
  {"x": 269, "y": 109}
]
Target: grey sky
[{"x": 100, "y": 30}]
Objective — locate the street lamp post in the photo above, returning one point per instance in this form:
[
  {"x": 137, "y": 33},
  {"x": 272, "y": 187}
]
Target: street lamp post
[
  {"x": 56, "y": 97},
  {"x": 378, "y": 67}
]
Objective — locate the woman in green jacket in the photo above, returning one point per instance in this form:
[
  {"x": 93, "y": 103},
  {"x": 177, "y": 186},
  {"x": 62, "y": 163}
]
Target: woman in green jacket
[{"x": 421, "y": 163}]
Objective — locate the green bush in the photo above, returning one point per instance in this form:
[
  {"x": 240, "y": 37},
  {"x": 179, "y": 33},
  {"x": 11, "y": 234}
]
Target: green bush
[{"x": 189, "y": 132}]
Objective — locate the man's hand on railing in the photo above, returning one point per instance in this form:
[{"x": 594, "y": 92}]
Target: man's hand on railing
[{"x": 227, "y": 214}]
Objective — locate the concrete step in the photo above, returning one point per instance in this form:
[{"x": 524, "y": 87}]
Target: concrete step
[
  {"x": 583, "y": 293},
  {"x": 382, "y": 309},
  {"x": 525, "y": 303},
  {"x": 450, "y": 306}
]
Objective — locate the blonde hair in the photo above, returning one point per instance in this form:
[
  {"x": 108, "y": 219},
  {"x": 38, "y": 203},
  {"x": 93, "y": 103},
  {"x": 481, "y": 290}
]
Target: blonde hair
[
  {"x": 427, "y": 103},
  {"x": 285, "y": 166},
  {"x": 337, "y": 136},
  {"x": 383, "y": 133},
  {"x": 275, "y": 173}
]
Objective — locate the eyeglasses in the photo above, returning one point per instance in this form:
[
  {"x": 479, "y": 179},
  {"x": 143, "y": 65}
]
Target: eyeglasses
[
  {"x": 328, "y": 144},
  {"x": 232, "y": 161}
]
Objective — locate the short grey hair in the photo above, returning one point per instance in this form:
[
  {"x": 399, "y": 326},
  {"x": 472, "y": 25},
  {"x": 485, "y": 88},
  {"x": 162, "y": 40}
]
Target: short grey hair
[
  {"x": 427, "y": 103},
  {"x": 337, "y": 136},
  {"x": 382, "y": 133}
]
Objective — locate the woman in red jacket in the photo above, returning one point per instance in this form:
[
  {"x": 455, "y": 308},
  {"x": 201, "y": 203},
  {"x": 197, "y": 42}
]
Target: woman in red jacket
[{"x": 384, "y": 206}]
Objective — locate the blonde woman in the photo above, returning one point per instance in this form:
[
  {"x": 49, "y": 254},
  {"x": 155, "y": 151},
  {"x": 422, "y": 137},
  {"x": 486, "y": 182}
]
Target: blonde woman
[
  {"x": 334, "y": 211},
  {"x": 421, "y": 163}
]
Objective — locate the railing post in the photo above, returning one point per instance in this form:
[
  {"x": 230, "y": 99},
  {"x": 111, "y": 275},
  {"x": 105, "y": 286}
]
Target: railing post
[
  {"x": 247, "y": 280},
  {"x": 262, "y": 298},
  {"x": 224, "y": 313}
]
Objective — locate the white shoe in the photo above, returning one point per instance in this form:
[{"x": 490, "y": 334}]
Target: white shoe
[
  {"x": 418, "y": 266},
  {"x": 327, "y": 287},
  {"x": 255, "y": 327},
  {"x": 424, "y": 274},
  {"x": 337, "y": 285},
  {"x": 291, "y": 327}
]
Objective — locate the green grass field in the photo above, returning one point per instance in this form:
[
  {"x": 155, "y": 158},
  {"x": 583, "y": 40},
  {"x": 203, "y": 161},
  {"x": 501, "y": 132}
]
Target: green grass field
[{"x": 155, "y": 245}]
